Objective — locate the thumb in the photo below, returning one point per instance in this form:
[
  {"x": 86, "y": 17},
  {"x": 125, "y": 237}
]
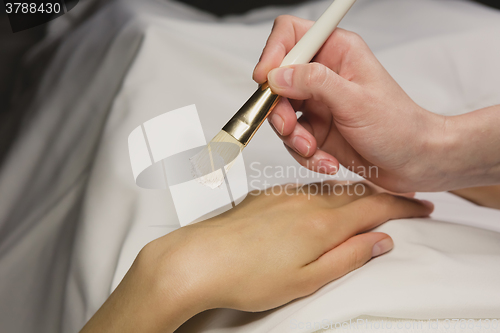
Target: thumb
[
  {"x": 311, "y": 81},
  {"x": 348, "y": 256}
]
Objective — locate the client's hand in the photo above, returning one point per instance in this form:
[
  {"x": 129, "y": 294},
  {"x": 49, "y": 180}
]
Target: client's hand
[
  {"x": 486, "y": 196},
  {"x": 269, "y": 250},
  {"x": 353, "y": 112}
]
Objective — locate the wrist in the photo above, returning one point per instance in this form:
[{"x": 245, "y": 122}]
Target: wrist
[
  {"x": 430, "y": 170},
  {"x": 173, "y": 296},
  {"x": 462, "y": 151},
  {"x": 151, "y": 297}
]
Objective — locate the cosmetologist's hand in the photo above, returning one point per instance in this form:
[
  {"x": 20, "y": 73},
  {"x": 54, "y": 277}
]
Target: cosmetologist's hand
[
  {"x": 269, "y": 250},
  {"x": 354, "y": 112}
]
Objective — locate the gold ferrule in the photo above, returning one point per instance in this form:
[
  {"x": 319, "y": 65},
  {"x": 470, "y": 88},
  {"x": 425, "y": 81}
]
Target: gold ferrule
[{"x": 252, "y": 114}]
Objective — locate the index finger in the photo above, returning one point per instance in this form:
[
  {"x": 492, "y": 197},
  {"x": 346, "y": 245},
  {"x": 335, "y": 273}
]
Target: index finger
[
  {"x": 339, "y": 224},
  {"x": 287, "y": 31},
  {"x": 370, "y": 212}
]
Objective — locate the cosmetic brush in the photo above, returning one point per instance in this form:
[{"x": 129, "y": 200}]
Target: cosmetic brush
[{"x": 211, "y": 164}]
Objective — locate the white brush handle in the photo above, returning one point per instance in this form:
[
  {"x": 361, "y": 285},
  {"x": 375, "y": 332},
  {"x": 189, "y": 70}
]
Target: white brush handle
[{"x": 316, "y": 36}]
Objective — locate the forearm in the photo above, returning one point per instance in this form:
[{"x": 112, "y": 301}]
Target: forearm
[{"x": 468, "y": 149}]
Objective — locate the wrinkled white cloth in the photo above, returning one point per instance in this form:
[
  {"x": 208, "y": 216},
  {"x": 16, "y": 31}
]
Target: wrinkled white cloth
[{"x": 133, "y": 61}]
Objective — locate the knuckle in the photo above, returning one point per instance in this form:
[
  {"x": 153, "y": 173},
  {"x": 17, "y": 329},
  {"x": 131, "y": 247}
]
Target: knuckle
[
  {"x": 348, "y": 41},
  {"x": 351, "y": 37},
  {"x": 319, "y": 222},
  {"x": 317, "y": 75},
  {"x": 355, "y": 39},
  {"x": 281, "y": 19}
]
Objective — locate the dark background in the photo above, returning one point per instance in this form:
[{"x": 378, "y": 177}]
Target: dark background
[{"x": 225, "y": 7}]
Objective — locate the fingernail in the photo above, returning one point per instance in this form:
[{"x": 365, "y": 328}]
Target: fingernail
[
  {"x": 301, "y": 145},
  {"x": 327, "y": 167},
  {"x": 256, "y": 67},
  {"x": 385, "y": 245},
  {"x": 278, "y": 123},
  {"x": 427, "y": 204},
  {"x": 281, "y": 77}
]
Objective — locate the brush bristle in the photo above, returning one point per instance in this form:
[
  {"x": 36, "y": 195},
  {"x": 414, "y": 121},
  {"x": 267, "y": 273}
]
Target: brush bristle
[{"x": 220, "y": 153}]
